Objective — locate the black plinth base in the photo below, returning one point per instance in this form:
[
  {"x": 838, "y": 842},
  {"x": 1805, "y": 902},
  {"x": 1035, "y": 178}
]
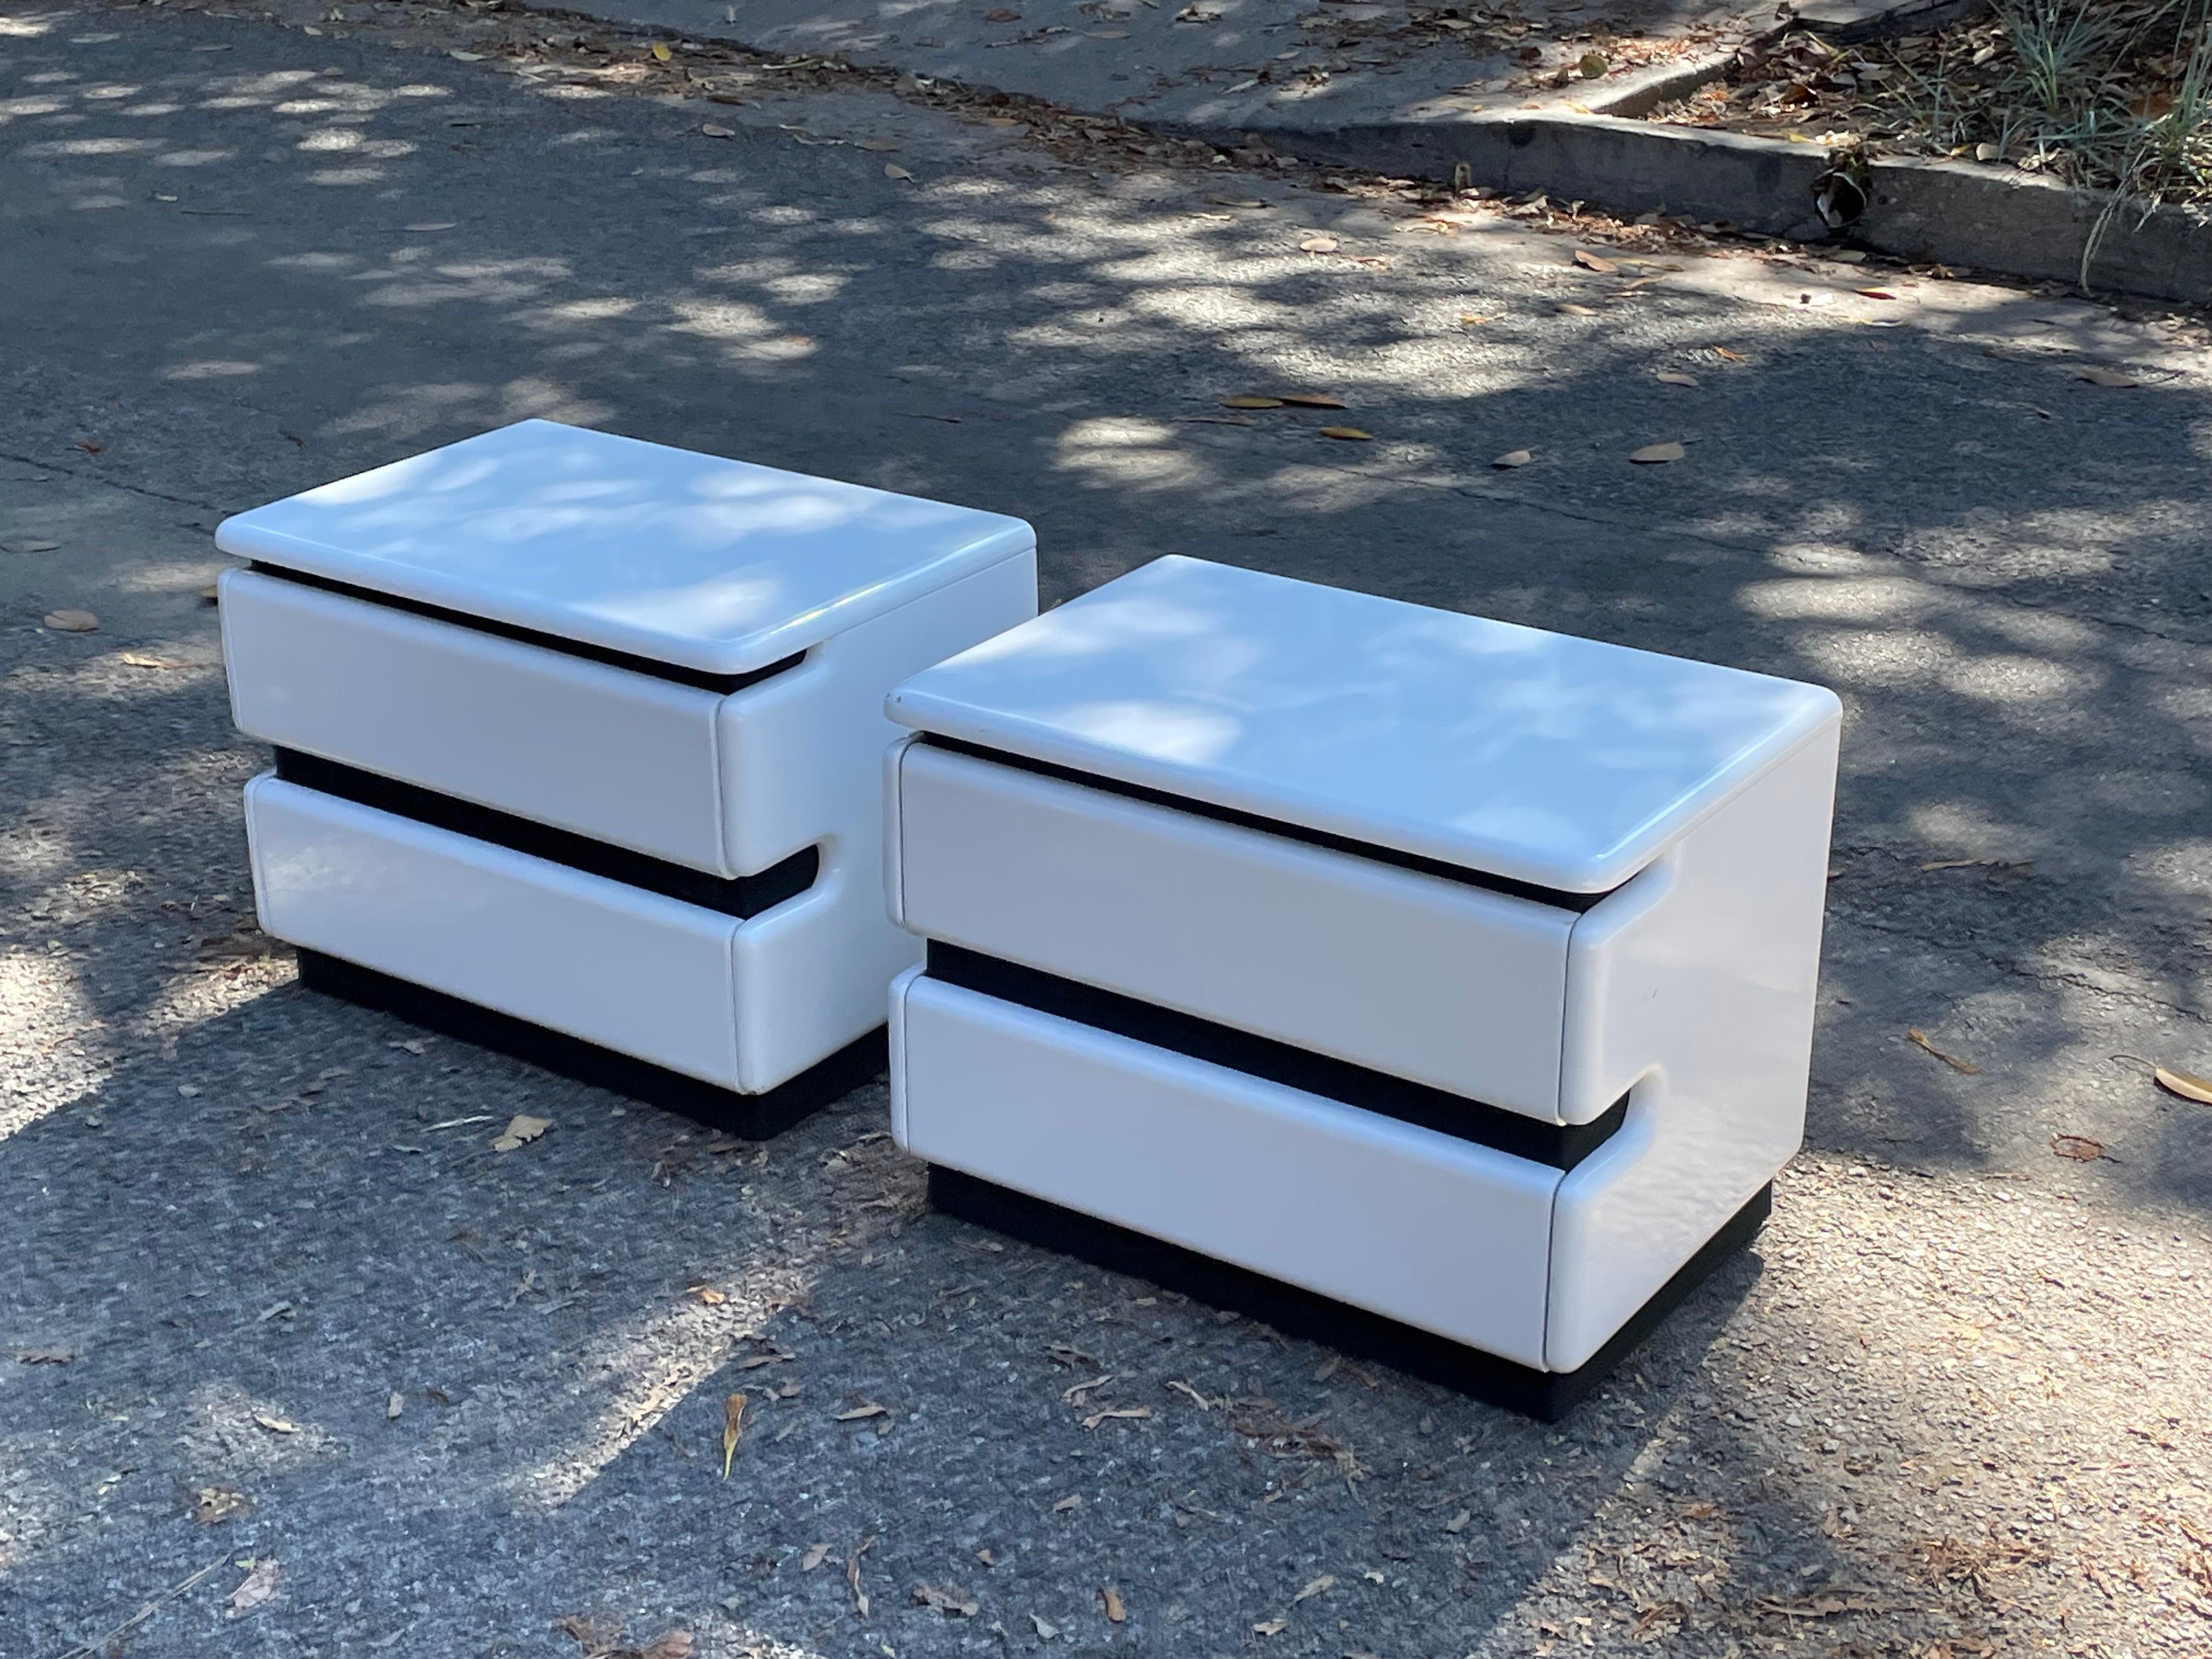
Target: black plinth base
[
  {"x": 1545, "y": 1395},
  {"x": 749, "y": 1117}
]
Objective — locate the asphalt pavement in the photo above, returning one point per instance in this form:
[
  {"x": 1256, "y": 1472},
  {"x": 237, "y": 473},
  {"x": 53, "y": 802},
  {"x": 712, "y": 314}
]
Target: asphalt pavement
[{"x": 272, "y": 1306}]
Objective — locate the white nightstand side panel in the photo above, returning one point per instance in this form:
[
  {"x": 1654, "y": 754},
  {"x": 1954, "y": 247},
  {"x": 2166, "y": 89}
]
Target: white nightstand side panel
[
  {"x": 558, "y": 739},
  {"x": 900, "y": 988},
  {"x": 629, "y": 970},
  {"x": 1701, "y": 992},
  {"x": 802, "y": 753},
  {"x": 894, "y": 873},
  {"x": 812, "y": 972},
  {"x": 1451, "y": 985},
  {"x": 1419, "y": 1227}
]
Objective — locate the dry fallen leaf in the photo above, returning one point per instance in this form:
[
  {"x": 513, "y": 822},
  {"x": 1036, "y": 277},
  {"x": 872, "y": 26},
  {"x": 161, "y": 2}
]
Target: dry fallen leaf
[
  {"x": 393, "y": 1406},
  {"x": 1233, "y": 201},
  {"x": 275, "y": 1425},
  {"x": 1730, "y": 357},
  {"x": 1319, "y": 245},
  {"x": 1068, "y": 1503},
  {"x": 521, "y": 1129},
  {"x": 1314, "y": 1587},
  {"x": 949, "y": 1599},
  {"x": 211, "y": 1505},
  {"x": 1313, "y": 400},
  {"x": 2080, "y": 1148},
  {"x": 1514, "y": 457},
  {"x": 708, "y": 1295},
  {"x": 853, "y": 1576},
  {"x": 1597, "y": 262},
  {"x": 879, "y": 145},
  {"x": 1875, "y": 293},
  {"x": 1096, "y": 1418},
  {"x": 260, "y": 1584},
  {"x": 1045, "y": 1629},
  {"x": 2112, "y": 377},
  {"x": 1676, "y": 377},
  {"x": 1271, "y": 1627},
  {"x": 1348, "y": 434},
  {"x": 660, "y": 53},
  {"x": 45, "y": 1356},
  {"x": 866, "y": 1408},
  {"x": 1652, "y": 454},
  {"x": 814, "y": 1556},
  {"x": 1459, "y": 1523},
  {"x": 669, "y": 1644},
  {"x": 1918, "y": 1038},
  {"x": 1115, "y": 1612},
  {"x": 1572, "y": 309},
  {"x": 29, "y": 547},
  {"x": 733, "y": 1417},
  {"x": 1700, "y": 1512},
  {"x": 893, "y": 170},
  {"x": 1247, "y": 401},
  {"x": 2184, "y": 1083},
  {"x": 714, "y": 131},
  {"x": 71, "y": 622},
  {"x": 1072, "y": 1395},
  {"x": 1473, "y": 318}
]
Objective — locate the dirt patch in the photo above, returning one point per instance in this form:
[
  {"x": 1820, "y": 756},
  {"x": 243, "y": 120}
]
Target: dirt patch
[{"x": 2105, "y": 94}]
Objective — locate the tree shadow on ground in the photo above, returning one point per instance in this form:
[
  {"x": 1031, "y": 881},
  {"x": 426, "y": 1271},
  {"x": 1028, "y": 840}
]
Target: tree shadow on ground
[{"x": 2016, "y": 640}]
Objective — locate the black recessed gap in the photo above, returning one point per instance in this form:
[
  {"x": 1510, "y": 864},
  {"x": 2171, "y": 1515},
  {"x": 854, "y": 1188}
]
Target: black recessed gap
[
  {"x": 635, "y": 665},
  {"x": 1547, "y": 1396},
  {"x": 745, "y": 895},
  {"x": 1561, "y": 1146},
  {"x": 1557, "y": 898},
  {"x": 752, "y": 1117}
]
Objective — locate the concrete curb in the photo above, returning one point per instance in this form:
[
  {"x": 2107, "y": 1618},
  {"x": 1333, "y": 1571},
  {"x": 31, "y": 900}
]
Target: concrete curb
[{"x": 1944, "y": 212}]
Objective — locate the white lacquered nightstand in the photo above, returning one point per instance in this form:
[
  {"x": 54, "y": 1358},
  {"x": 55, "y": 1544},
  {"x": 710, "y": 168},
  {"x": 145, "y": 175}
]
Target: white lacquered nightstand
[
  {"x": 1438, "y": 987},
  {"x": 578, "y": 750}
]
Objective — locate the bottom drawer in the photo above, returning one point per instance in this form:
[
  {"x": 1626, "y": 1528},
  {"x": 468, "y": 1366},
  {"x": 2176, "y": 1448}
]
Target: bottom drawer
[
  {"x": 633, "y": 971},
  {"x": 1417, "y": 1226}
]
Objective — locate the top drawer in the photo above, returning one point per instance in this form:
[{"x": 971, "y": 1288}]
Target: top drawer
[
  {"x": 1417, "y": 976},
  {"x": 583, "y": 746}
]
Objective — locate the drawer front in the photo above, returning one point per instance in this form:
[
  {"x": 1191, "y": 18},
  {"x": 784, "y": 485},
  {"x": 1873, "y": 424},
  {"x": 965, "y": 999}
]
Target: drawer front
[
  {"x": 618, "y": 756},
  {"x": 1413, "y": 975},
  {"x": 627, "y": 969},
  {"x": 1451, "y": 1237}
]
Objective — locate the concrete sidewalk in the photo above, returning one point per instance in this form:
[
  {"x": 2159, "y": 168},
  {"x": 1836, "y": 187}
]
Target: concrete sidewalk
[{"x": 1282, "y": 68}]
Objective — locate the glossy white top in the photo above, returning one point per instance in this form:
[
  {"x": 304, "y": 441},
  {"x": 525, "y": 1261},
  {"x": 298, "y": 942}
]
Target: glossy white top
[
  {"x": 1532, "y": 756},
  {"x": 688, "y": 559}
]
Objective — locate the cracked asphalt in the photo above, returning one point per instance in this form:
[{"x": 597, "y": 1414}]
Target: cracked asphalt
[{"x": 270, "y": 1304}]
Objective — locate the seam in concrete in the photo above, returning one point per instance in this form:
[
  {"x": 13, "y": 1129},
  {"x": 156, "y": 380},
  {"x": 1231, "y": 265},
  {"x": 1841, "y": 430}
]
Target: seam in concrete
[
  {"x": 54, "y": 471},
  {"x": 2075, "y": 980}
]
